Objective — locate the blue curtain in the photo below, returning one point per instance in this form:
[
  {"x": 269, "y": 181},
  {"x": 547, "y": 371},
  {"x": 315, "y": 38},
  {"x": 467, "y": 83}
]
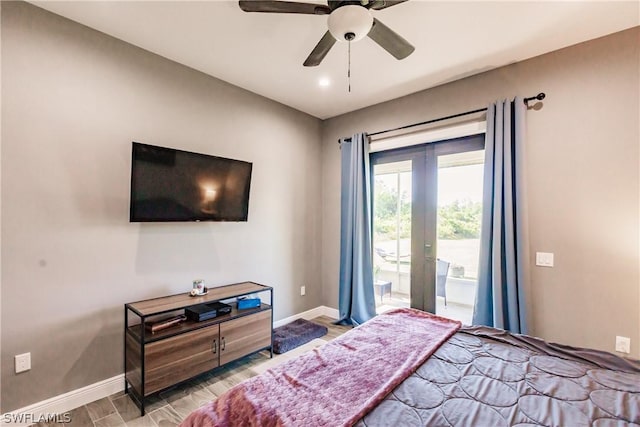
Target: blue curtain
[
  {"x": 503, "y": 267},
  {"x": 356, "y": 304}
]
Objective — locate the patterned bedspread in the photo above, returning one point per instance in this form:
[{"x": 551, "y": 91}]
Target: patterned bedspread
[
  {"x": 487, "y": 377},
  {"x": 479, "y": 377}
]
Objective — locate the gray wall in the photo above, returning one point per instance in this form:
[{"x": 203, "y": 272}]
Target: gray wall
[
  {"x": 73, "y": 99},
  {"x": 583, "y": 148}
]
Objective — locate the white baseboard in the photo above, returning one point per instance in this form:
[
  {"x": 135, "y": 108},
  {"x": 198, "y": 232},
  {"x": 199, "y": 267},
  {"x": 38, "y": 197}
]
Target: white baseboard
[
  {"x": 76, "y": 398},
  {"x": 309, "y": 314},
  {"x": 331, "y": 312},
  {"x": 64, "y": 402}
]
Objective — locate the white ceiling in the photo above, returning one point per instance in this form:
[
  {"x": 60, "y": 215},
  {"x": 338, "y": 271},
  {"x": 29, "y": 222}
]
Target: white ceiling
[{"x": 264, "y": 52}]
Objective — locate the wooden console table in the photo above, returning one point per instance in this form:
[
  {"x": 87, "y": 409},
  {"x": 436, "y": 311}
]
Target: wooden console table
[{"x": 156, "y": 361}]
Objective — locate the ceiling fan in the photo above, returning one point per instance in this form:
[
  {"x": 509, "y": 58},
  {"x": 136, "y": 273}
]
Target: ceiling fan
[{"x": 348, "y": 21}]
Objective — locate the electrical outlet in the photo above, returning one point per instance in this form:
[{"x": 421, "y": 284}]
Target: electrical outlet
[
  {"x": 303, "y": 290},
  {"x": 23, "y": 362},
  {"x": 544, "y": 259},
  {"x": 623, "y": 344}
]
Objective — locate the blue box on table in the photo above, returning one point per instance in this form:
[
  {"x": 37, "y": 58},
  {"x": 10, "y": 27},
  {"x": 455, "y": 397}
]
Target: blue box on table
[{"x": 244, "y": 303}]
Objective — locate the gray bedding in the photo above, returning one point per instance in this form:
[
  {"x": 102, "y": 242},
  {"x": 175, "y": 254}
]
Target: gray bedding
[{"x": 486, "y": 377}]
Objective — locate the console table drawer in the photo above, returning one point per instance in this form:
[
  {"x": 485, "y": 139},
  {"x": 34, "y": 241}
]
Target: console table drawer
[
  {"x": 244, "y": 335},
  {"x": 176, "y": 359}
]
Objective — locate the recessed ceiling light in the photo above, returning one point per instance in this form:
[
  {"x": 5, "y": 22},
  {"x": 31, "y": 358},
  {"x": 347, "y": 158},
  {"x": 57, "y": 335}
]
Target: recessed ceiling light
[{"x": 324, "y": 82}]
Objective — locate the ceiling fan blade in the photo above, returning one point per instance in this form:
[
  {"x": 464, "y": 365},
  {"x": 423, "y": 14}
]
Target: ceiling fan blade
[
  {"x": 390, "y": 41},
  {"x": 383, "y": 4},
  {"x": 320, "y": 51},
  {"x": 283, "y": 7}
]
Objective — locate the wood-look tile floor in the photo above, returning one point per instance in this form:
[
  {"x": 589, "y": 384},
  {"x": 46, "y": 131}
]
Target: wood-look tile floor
[{"x": 170, "y": 407}]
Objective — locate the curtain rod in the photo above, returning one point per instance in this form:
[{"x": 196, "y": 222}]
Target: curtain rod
[{"x": 538, "y": 97}]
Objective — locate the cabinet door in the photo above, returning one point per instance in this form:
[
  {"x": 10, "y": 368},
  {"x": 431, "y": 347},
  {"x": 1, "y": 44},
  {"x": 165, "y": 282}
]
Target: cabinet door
[
  {"x": 245, "y": 335},
  {"x": 178, "y": 358}
]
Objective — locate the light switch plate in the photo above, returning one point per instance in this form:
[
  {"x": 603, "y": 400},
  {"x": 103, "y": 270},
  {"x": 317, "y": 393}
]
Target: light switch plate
[
  {"x": 544, "y": 259},
  {"x": 23, "y": 362}
]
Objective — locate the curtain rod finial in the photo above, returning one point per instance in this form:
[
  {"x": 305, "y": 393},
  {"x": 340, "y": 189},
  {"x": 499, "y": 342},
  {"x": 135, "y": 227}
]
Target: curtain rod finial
[{"x": 538, "y": 97}]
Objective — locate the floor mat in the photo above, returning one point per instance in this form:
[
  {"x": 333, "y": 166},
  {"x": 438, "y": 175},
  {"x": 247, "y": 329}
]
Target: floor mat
[{"x": 295, "y": 334}]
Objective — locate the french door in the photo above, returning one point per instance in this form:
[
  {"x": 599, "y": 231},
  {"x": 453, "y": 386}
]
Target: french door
[{"x": 427, "y": 204}]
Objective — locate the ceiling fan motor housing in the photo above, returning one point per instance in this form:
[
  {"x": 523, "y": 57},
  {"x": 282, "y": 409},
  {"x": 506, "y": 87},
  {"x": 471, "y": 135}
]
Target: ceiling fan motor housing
[{"x": 350, "y": 23}]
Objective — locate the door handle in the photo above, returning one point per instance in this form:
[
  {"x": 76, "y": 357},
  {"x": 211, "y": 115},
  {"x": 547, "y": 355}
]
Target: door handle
[
  {"x": 224, "y": 344},
  {"x": 214, "y": 347},
  {"x": 427, "y": 252}
]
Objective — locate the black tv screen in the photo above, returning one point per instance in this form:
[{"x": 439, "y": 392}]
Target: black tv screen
[{"x": 176, "y": 185}]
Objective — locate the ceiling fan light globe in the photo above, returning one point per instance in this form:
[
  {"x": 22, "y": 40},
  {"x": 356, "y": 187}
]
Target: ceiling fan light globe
[{"x": 350, "y": 19}]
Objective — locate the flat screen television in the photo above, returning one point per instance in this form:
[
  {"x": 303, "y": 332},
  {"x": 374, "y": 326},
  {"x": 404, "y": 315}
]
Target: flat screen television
[{"x": 176, "y": 185}]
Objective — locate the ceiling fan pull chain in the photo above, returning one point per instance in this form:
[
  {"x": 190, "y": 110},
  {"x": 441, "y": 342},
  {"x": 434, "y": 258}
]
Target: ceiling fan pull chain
[{"x": 349, "y": 67}]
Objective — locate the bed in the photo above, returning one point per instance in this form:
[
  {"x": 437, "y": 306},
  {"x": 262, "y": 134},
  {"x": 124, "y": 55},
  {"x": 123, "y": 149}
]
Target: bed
[{"x": 410, "y": 368}]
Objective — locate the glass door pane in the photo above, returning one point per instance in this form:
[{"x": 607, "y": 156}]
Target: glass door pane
[
  {"x": 459, "y": 210},
  {"x": 426, "y": 222},
  {"x": 392, "y": 234}
]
